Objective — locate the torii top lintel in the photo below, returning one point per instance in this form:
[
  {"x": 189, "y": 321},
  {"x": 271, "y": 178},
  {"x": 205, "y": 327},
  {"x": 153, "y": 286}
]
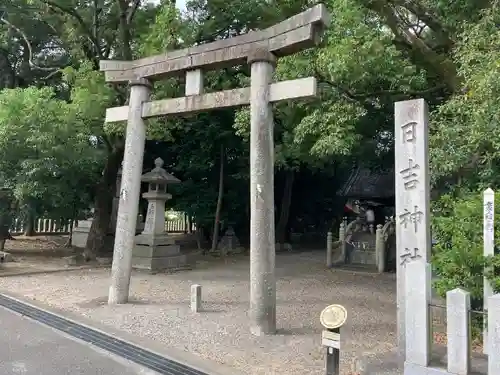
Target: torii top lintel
[{"x": 287, "y": 37}]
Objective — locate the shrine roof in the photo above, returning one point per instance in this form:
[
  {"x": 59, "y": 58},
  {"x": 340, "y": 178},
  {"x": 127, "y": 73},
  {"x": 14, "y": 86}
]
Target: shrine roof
[{"x": 365, "y": 182}]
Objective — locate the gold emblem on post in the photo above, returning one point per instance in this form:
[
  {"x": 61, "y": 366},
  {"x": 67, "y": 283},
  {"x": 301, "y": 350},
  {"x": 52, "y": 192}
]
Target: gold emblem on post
[{"x": 333, "y": 316}]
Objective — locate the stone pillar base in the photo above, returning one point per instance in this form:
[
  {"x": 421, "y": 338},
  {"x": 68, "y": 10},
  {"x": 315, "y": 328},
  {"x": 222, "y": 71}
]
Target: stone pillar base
[
  {"x": 158, "y": 253},
  {"x": 81, "y": 233}
]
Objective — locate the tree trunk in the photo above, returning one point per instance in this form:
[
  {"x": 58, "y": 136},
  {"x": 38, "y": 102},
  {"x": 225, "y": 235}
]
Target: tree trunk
[
  {"x": 285, "y": 208},
  {"x": 215, "y": 237},
  {"x": 29, "y": 229},
  {"x": 103, "y": 201}
]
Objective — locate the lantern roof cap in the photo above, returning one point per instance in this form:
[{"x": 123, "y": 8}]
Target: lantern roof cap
[{"x": 159, "y": 175}]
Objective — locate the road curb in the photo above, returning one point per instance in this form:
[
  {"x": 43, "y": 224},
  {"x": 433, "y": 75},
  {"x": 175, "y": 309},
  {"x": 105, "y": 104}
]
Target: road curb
[{"x": 39, "y": 272}]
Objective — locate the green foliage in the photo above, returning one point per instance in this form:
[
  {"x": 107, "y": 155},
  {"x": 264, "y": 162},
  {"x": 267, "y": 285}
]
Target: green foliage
[
  {"x": 44, "y": 157},
  {"x": 458, "y": 259},
  {"x": 466, "y": 139},
  {"x": 55, "y": 142}
]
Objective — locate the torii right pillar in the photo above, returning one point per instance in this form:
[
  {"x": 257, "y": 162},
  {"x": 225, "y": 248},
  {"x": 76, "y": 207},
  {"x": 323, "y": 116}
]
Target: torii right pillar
[{"x": 262, "y": 244}]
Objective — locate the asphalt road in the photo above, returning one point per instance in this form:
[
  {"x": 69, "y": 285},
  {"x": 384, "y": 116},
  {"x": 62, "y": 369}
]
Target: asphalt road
[{"x": 30, "y": 348}]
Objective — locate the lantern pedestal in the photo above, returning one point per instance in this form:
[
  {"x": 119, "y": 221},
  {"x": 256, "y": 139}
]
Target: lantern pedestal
[
  {"x": 154, "y": 249},
  {"x": 157, "y": 252}
]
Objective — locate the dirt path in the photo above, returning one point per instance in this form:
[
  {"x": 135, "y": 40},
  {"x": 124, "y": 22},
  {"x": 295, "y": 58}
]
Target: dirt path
[{"x": 161, "y": 311}]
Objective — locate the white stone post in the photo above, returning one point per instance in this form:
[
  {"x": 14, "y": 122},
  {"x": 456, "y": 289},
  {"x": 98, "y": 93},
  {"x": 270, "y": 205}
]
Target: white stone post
[
  {"x": 488, "y": 250},
  {"x": 418, "y": 296},
  {"x": 195, "y": 298},
  {"x": 129, "y": 193},
  {"x": 262, "y": 242},
  {"x": 329, "y": 249},
  {"x": 458, "y": 331},
  {"x": 380, "y": 249},
  {"x": 413, "y": 240},
  {"x": 494, "y": 337}
]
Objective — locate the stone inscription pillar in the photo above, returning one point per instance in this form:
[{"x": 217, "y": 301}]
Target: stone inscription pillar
[
  {"x": 262, "y": 243},
  {"x": 413, "y": 239},
  {"x": 129, "y": 193}
]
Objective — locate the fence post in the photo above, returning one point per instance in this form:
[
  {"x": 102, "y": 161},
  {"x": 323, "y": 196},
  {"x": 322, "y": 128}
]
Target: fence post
[
  {"x": 417, "y": 324},
  {"x": 488, "y": 250},
  {"x": 458, "y": 331},
  {"x": 329, "y": 249},
  {"x": 342, "y": 234},
  {"x": 494, "y": 336},
  {"x": 380, "y": 249}
]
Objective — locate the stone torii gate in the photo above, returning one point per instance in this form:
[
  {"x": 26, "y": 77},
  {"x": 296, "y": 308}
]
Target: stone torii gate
[{"x": 260, "y": 49}]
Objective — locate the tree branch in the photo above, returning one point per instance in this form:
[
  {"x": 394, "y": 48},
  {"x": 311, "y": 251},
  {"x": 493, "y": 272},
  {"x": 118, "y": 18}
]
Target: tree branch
[
  {"x": 74, "y": 14},
  {"x": 438, "y": 63},
  {"x": 353, "y": 96},
  {"x": 132, "y": 10},
  {"x": 28, "y": 45}
]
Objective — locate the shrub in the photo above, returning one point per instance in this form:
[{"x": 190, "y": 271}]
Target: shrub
[{"x": 457, "y": 258}]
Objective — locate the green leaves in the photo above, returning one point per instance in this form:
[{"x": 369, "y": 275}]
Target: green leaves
[
  {"x": 457, "y": 225},
  {"x": 44, "y": 154},
  {"x": 466, "y": 137}
]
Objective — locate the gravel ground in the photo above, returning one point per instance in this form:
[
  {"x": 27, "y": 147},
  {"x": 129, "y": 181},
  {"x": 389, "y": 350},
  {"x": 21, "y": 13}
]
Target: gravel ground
[{"x": 160, "y": 311}]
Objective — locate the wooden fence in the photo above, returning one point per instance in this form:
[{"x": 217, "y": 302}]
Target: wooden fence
[
  {"x": 59, "y": 226},
  {"x": 43, "y": 226}
]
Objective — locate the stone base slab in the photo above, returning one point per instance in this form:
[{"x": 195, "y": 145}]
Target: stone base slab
[
  {"x": 158, "y": 251},
  {"x": 163, "y": 263},
  {"x": 146, "y": 239},
  {"x": 413, "y": 369},
  {"x": 81, "y": 233}
]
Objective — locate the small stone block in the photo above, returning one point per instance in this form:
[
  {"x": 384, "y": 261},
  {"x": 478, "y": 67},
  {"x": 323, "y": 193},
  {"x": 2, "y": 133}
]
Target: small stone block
[
  {"x": 458, "y": 331},
  {"x": 195, "y": 298},
  {"x": 5, "y": 257},
  {"x": 494, "y": 337}
]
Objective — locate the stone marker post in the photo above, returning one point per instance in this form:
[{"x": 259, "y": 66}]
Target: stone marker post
[
  {"x": 195, "y": 298},
  {"x": 130, "y": 192},
  {"x": 262, "y": 250},
  {"x": 488, "y": 250},
  {"x": 413, "y": 241}
]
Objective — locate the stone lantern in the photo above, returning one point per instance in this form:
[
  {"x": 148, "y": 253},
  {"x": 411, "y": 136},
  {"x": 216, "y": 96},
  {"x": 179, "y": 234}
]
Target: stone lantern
[{"x": 154, "y": 249}]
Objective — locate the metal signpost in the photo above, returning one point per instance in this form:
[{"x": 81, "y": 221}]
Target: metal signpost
[{"x": 332, "y": 318}]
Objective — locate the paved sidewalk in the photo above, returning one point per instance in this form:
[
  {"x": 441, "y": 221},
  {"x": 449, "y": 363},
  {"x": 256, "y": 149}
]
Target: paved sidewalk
[{"x": 30, "y": 348}]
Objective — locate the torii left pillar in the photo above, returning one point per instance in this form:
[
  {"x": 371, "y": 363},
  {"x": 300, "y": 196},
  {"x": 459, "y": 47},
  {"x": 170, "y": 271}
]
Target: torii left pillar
[{"x": 130, "y": 191}]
